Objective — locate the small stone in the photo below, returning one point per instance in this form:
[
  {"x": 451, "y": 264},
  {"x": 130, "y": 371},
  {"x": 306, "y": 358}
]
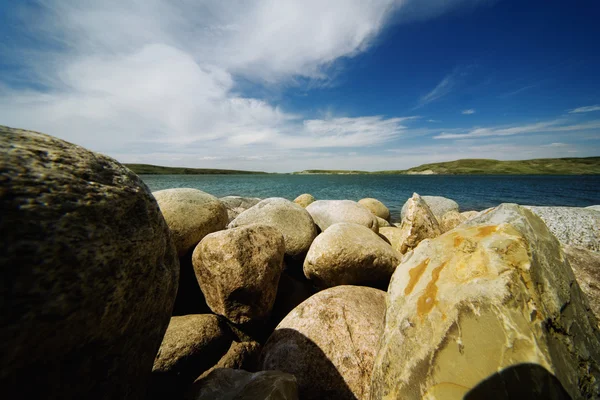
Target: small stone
[{"x": 304, "y": 200}]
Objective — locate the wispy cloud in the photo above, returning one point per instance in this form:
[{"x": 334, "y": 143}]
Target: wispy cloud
[
  {"x": 555, "y": 144},
  {"x": 585, "y": 109},
  {"x": 548, "y": 126},
  {"x": 520, "y": 90},
  {"x": 469, "y": 111},
  {"x": 448, "y": 84}
]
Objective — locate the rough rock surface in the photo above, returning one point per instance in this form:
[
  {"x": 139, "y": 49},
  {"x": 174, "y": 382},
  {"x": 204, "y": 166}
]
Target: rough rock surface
[
  {"x": 89, "y": 272},
  {"x": 329, "y": 342},
  {"x": 293, "y": 221},
  {"x": 237, "y": 384},
  {"x": 382, "y": 223},
  {"x": 572, "y": 225},
  {"x": 350, "y": 254},
  {"x": 418, "y": 224},
  {"x": 437, "y": 204},
  {"x": 595, "y": 208},
  {"x": 241, "y": 355},
  {"x": 376, "y": 207},
  {"x": 467, "y": 215},
  {"x": 586, "y": 267},
  {"x": 328, "y": 212},
  {"x": 494, "y": 294},
  {"x": 236, "y": 205},
  {"x": 238, "y": 271},
  {"x": 394, "y": 236},
  {"x": 304, "y": 200},
  {"x": 192, "y": 344},
  {"x": 191, "y": 214},
  {"x": 451, "y": 220}
]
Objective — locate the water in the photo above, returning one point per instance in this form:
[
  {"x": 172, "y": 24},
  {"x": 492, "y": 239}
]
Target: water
[{"x": 471, "y": 192}]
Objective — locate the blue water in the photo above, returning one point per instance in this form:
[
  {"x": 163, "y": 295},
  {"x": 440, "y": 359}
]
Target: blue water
[{"x": 471, "y": 192}]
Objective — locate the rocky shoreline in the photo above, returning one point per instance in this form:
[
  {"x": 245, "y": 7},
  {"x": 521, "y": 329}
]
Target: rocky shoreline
[{"x": 113, "y": 292}]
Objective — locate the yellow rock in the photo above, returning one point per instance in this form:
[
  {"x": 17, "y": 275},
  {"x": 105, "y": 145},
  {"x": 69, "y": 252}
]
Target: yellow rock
[{"x": 493, "y": 294}]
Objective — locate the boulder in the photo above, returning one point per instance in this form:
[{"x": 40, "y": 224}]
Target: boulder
[
  {"x": 595, "y": 208},
  {"x": 418, "y": 224},
  {"x": 450, "y": 220},
  {"x": 467, "y": 215},
  {"x": 236, "y": 205},
  {"x": 573, "y": 226},
  {"x": 293, "y": 221},
  {"x": 586, "y": 267},
  {"x": 437, "y": 204},
  {"x": 89, "y": 272},
  {"x": 304, "y": 200},
  {"x": 191, "y": 214},
  {"x": 376, "y": 207},
  {"x": 192, "y": 344},
  {"x": 350, "y": 254},
  {"x": 241, "y": 355},
  {"x": 329, "y": 342},
  {"x": 382, "y": 223},
  {"x": 328, "y": 212},
  {"x": 237, "y": 384},
  {"x": 491, "y": 296},
  {"x": 394, "y": 236},
  {"x": 238, "y": 271}
]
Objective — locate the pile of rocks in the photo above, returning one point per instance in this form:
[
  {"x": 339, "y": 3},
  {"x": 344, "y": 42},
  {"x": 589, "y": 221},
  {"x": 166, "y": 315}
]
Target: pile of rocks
[{"x": 113, "y": 292}]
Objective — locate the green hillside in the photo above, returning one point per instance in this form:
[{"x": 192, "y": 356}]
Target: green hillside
[{"x": 147, "y": 169}]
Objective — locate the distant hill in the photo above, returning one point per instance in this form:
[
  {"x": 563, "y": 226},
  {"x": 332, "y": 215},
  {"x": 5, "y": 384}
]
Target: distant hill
[
  {"x": 541, "y": 166},
  {"x": 147, "y": 169}
]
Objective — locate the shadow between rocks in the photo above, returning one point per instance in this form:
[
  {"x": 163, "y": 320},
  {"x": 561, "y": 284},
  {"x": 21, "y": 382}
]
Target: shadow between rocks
[
  {"x": 522, "y": 381},
  {"x": 288, "y": 350},
  {"x": 190, "y": 299}
]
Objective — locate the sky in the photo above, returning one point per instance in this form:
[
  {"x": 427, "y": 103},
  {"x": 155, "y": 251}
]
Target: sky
[{"x": 284, "y": 85}]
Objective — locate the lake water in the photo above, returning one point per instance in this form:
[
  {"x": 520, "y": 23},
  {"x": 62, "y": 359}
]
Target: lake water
[{"x": 471, "y": 192}]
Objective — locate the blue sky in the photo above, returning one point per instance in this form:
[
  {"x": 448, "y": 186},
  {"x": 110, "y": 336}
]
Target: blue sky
[{"x": 282, "y": 85}]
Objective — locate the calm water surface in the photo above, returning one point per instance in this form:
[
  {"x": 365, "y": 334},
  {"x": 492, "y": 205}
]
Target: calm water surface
[{"x": 471, "y": 192}]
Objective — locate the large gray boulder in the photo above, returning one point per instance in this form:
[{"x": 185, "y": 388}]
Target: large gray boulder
[
  {"x": 89, "y": 272},
  {"x": 437, "y": 204},
  {"x": 191, "y": 214},
  {"x": 293, "y": 221},
  {"x": 328, "y": 212},
  {"x": 492, "y": 295},
  {"x": 237, "y": 384},
  {"x": 350, "y": 254},
  {"x": 329, "y": 343},
  {"x": 586, "y": 267},
  {"x": 236, "y": 205},
  {"x": 192, "y": 345},
  {"x": 238, "y": 271},
  {"x": 572, "y": 226}
]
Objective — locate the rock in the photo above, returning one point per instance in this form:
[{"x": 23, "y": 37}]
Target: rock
[
  {"x": 328, "y": 212},
  {"x": 304, "y": 200},
  {"x": 350, "y": 254},
  {"x": 467, "y": 215},
  {"x": 236, "y": 205},
  {"x": 595, "y": 208},
  {"x": 329, "y": 342},
  {"x": 238, "y": 271},
  {"x": 437, "y": 204},
  {"x": 394, "y": 236},
  {"x": 451, "y": 220},
  {"x": 89, "y": 272},
  {"x": 573, "y": 226},
  {"x": 586, "y": 267},
  {"x": 241, "y": 355},
  {"x": 236, "y": 384},
  {"x": 293, "y": 221},
  {"x": 494, "y": 294},
  {"x": 192, "y": 344},
  {"x": 191, "y": 214},
  {"x": 376, "y": 207},
  {"x": 382, "y": 223},
  {"x": 418, "y": 224}
]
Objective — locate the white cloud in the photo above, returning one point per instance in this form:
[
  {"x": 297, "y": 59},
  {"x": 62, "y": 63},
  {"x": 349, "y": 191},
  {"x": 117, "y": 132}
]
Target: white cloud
[
  {"x": 158, "y": 79},
  {"x": 555, "y": 144},
  {"x": 445, "y": 86},
  {"x": 469, "y": 111},
  {"x": 548, "y": 126},
  {"x": 585, "y": 109}
]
